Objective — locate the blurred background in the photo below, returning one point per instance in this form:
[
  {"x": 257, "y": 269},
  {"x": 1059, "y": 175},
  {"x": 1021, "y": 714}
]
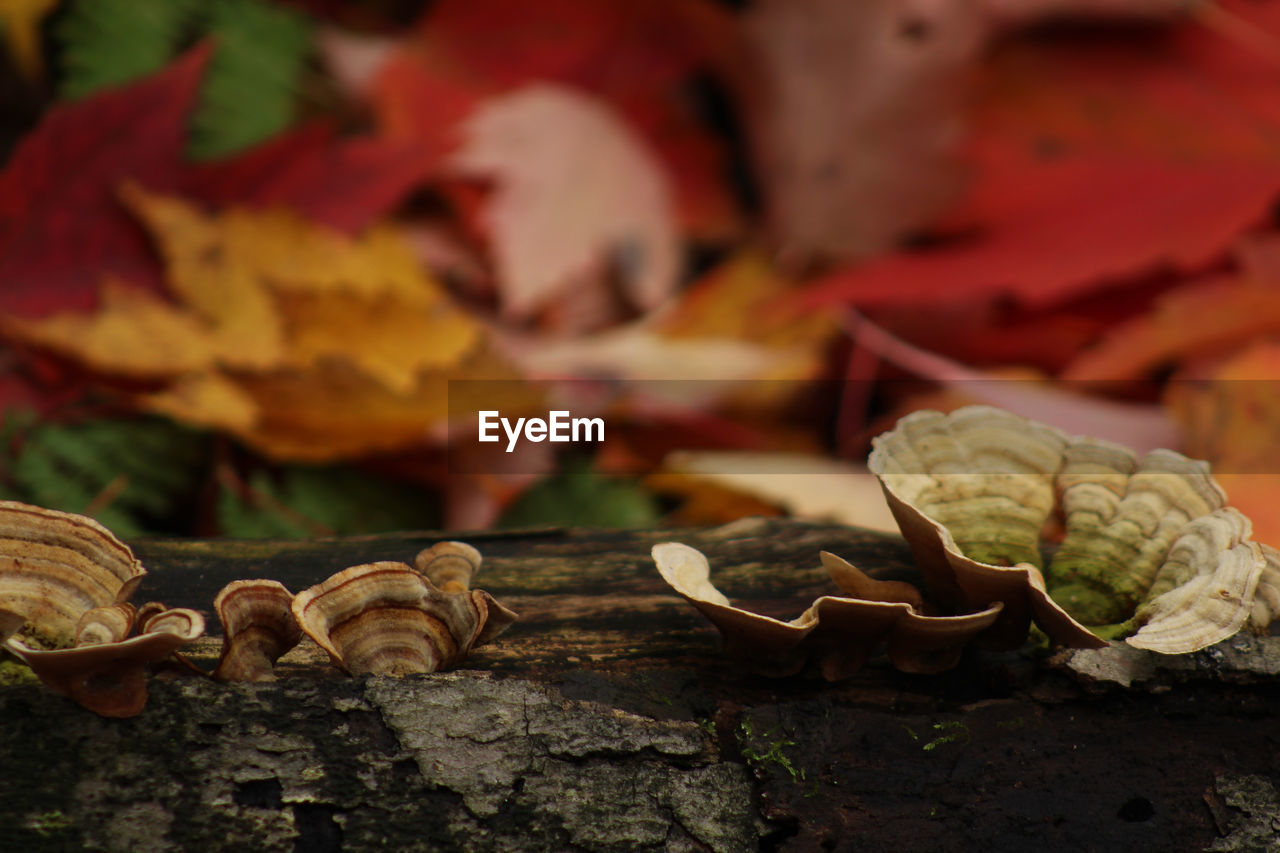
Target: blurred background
[{"x": 262, "y": 262}]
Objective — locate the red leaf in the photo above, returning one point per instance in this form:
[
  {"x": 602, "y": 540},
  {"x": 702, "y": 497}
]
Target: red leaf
[
  {"x": 1070, "y": 228},
  {"x": 1098, "y": 160},
  {"x": 634, "y": 55},
  {"x": 343, "y": 183},
  {"x": 607, "y": 47},
  {"x": 418, "y": 99},
  {"x": 61, "y": 229}
]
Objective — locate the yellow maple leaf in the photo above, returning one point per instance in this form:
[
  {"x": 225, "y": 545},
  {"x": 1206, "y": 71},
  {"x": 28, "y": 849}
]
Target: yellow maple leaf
[
  {"x": 333, "y": 411},
  {"x": 213, "y": 278},
  {"x": 261, "y": 290},
  {"x": 304, "y": 342},
  {"x": 134, "y": 333}
]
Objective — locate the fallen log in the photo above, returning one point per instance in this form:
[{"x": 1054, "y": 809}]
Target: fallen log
[{"x": 607, "y": 719}]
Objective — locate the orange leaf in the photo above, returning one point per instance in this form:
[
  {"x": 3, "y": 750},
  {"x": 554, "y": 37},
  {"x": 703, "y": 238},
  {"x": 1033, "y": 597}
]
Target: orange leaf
[{"x": 1202, "y": 318}]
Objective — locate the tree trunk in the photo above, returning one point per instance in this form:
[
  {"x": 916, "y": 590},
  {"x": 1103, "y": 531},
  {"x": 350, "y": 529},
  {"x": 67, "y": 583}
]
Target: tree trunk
[{"x": 607, "y": 719}]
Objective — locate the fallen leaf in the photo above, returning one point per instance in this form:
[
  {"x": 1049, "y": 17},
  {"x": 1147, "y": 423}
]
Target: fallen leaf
[
  {"x": 745, "y": 298},
  {"x": 330, "y": 411},
  {"x": 1203, "y": 318},
  {"x": 277, "y": 290},
  {"x": 217, "y": 285},
  {"x": 345, "y": 183},
  {"x": 640, "y": 58},
  {"x": 731, "y": 334},
  {"x": 854, "y": 116},
  {"x": 61, "y": 228},
  {"x": 134, "y": 333},
  {"x": 610, "y": 48},
  {"x": 304, "y": 342},
  {"x": 1097, "y": 158},
  {"x": 575, "y": 193},
  {"x": 389, "y": 339}
]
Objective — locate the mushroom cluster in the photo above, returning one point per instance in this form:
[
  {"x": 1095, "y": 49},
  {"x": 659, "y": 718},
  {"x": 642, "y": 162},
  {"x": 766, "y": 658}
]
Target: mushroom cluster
[
  {"x": 1151, "y": 552},
  {"x": 66, "y": 581}
]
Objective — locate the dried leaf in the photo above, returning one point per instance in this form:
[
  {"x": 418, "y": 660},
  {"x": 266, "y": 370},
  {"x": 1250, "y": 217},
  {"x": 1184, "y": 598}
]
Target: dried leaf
[
  {"x": 302, "y": 341},
  {"x": 134, "y": 333},
  {"x": 62, "y": 228},
  {"x": 333, "y": 410},
  {"x": 576, "y": 194},
  {"x": 731, "y": 325}
]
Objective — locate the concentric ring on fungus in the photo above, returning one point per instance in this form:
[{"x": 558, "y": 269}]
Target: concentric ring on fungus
[
  {"x": 68, "y": 579},
  {"x": 388, "y": 619}
]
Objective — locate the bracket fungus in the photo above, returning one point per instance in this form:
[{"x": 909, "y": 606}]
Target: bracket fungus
[
  {"x": 106, "y": 671},
  {"x": 386, "y": 618},
  {"x": 65, "y": 581},
  {"x": 257, "y": 629},
  {"x": 55, "y": 567},
  {"x": 1150, "y": 550},
  {"x": 837, "y": 632},
  {"x": 1149, "y": 544}
]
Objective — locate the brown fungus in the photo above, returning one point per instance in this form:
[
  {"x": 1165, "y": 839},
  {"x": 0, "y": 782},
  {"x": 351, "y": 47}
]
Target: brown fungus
[
  {"x": 110, "y": 678},
  {"x": 56, "y": 566},
  {"x": 69, "y": 580},
  {"x": 450, "y": 566},
  {"x": 257, "y": 629},
  {"x": 388, "y": 619}
]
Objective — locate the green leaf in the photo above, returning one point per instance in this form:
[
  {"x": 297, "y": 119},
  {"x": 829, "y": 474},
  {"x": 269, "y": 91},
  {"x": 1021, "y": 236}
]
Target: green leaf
[
  {"x": 132, "y": 475},
  {"x": 250, "y": 91},
  {"x": 579, "y": 497},
  {"x": 110, "y": 42},
  {"x": 301, "y": 502}
]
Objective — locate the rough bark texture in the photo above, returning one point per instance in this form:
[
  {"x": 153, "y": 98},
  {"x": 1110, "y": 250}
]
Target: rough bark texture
[{"x": 606, "y": 719}]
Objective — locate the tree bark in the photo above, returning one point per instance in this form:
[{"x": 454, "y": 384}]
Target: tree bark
[{"x": 607, "y": 719}]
